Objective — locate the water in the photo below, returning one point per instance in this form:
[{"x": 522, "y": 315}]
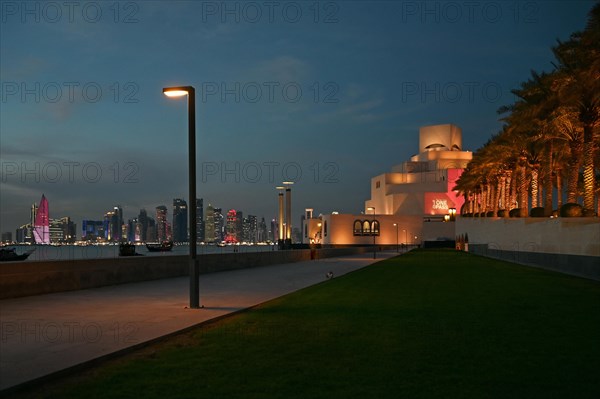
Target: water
[{"x": 72, "y": 252}]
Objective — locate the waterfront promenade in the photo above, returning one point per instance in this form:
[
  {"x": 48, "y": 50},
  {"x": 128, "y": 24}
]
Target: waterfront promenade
[{"x": 46, "y": 334}]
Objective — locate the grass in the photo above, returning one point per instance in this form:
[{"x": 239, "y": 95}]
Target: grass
[{"x": 428, "y": 324}]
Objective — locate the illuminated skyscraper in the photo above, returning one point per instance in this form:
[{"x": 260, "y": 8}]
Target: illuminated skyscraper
[
  {"x": 41, "y": 228},
  {"x": 161, "y": 223},
  {"x": 209, "y": 224},
  {"x": 180, "y": 217},
  {"x": 92, "y": 230},
  {"x": 200, "y": 219},
  {"x": 250, "y": 229},
  {"x": 219, "y": 225},
  {"x": 231, "y": 231}
]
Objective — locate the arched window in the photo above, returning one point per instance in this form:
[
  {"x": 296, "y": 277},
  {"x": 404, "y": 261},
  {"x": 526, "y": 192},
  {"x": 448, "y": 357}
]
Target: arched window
[
  {"x": 366, "y": 228},
  {"x": 358, "y": 228},
  {"x": 375, "y": 228}
]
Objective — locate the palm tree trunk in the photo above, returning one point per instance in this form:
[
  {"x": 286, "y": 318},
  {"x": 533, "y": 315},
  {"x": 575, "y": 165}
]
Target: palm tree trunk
[
  {"x": 507, "y": 186},
  {"x": 513, "y": 193},
  {"x": 588, "y": 167},
  {"x": 534, "y": 187},
  {"x": 523, "y": 192},
  {"x": 559, "y": 189},
  {"x": 548, "y": 179},
  {"x": 573, "y": 174},
  {"x": 484, "y": 198},
  {"x": 498, "y": 195}
]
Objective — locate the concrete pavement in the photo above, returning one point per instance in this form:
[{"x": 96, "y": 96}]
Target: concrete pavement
[{"x": 42, "y": 335}]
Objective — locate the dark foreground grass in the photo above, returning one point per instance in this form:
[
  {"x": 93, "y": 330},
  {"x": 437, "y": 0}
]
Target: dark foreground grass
[{"x": 428, "y": 324}]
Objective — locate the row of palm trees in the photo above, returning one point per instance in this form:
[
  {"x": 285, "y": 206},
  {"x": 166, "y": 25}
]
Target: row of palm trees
[{"x": 549, "y": 147}]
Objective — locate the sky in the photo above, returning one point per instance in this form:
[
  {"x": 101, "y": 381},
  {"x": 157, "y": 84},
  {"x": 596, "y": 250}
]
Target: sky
[{"x": 326, "y": 94}]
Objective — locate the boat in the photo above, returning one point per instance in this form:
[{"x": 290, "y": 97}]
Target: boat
[
  {"x": 10, "y": 254},
  {"x": 164, "y": 246},
  {"x": 127, "y": 249}
]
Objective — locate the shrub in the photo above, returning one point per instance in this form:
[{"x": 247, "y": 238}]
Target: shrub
[
  {"x": 537, "y": 212},
  {"x": 518, "y": 213},
  {"x": 589, "y": 213},
  {"x": 571, "y": 210}
]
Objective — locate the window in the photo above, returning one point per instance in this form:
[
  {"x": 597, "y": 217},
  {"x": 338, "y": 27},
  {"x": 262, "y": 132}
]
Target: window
[
  {"x": 366, "y": 229},
  {"x": 305, "y": 230},
  {"x": 357, "y": 228},
  {"x": 325, "y": 228},
  {"x": 375, "y": 228},
  {"x": 377, "y": 184}
]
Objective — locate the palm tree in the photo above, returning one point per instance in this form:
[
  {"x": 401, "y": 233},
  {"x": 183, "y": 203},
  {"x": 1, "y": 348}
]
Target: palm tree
[{"x": 578, "y": 80}]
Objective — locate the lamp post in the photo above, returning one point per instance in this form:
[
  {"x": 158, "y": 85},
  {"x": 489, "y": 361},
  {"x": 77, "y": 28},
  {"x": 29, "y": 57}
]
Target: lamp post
[
  {"x": 373, "y": 232},
  {"x": 452, "y": 214},
  {"x": 190, "y": 92},
  {"x": 405, "y": 239},
  {"x": 396, "y": 226}
]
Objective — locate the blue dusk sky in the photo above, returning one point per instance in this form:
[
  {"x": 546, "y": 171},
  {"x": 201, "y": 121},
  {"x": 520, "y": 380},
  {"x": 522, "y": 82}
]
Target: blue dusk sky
[{"x": 327, "y": 94}]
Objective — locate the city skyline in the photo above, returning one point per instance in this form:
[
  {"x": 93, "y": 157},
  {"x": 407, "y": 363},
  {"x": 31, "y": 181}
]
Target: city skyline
[
  {"x": 88, "y": 86},
  {"x": 117, "y": 226}
]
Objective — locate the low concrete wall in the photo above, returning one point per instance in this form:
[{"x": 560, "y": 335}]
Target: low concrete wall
[
  {"x": 575, "y": 265},
  {"x": 19, "y": 279},
  {"x": 566, "y": 245}
]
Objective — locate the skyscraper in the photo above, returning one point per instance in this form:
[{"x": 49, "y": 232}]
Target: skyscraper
[
  {"x": 180, "y": 217},
  {"x": 118, "y": 224},
  {"x": 250, "y": 229},
  {"x": 161, "y": 223},
  {"x": 262, "y": 231},
  {"x": 143, "y": 220},
  {"x": 209, "y": 224},
  {"x": 151, "y": 233},
  {"x": 92, "y": 230},
  {"x": 41, "y": 227},
  {"x": 200, "y": 219},
  {"x": 231, "y": 232},
  {"x": 219, "y": 225}
]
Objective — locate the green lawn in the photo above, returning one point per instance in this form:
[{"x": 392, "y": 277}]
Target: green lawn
[{"x": 428, "y": 324}]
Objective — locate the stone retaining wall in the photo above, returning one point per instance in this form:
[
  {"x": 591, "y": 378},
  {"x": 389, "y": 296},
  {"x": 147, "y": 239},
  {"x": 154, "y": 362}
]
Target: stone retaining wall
[
  {"x": 566, "y": 245},
  {"x": 19, "y": 279}
]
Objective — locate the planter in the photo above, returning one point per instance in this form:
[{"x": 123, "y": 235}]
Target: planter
[
  {"x": 537, "y": 212},
  {"x": 571, "y": 210}
]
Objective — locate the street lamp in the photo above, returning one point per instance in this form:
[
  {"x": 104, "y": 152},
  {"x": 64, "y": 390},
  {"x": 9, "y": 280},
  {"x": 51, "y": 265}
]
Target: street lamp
[
  {"x": 190, "y": 92},
  {"x": 373, "y": 231},
  {"x": 452, "y": 214},
  {"x": 396, "y": 226},
  {"x": 405, "y": 239}
]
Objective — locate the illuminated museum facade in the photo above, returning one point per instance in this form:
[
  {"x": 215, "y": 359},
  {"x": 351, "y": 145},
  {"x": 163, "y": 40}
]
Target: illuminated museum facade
[{"x": 410, "y": 203}]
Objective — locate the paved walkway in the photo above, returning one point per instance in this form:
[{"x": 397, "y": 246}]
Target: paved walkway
[{"x": 44, "y": 334}]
